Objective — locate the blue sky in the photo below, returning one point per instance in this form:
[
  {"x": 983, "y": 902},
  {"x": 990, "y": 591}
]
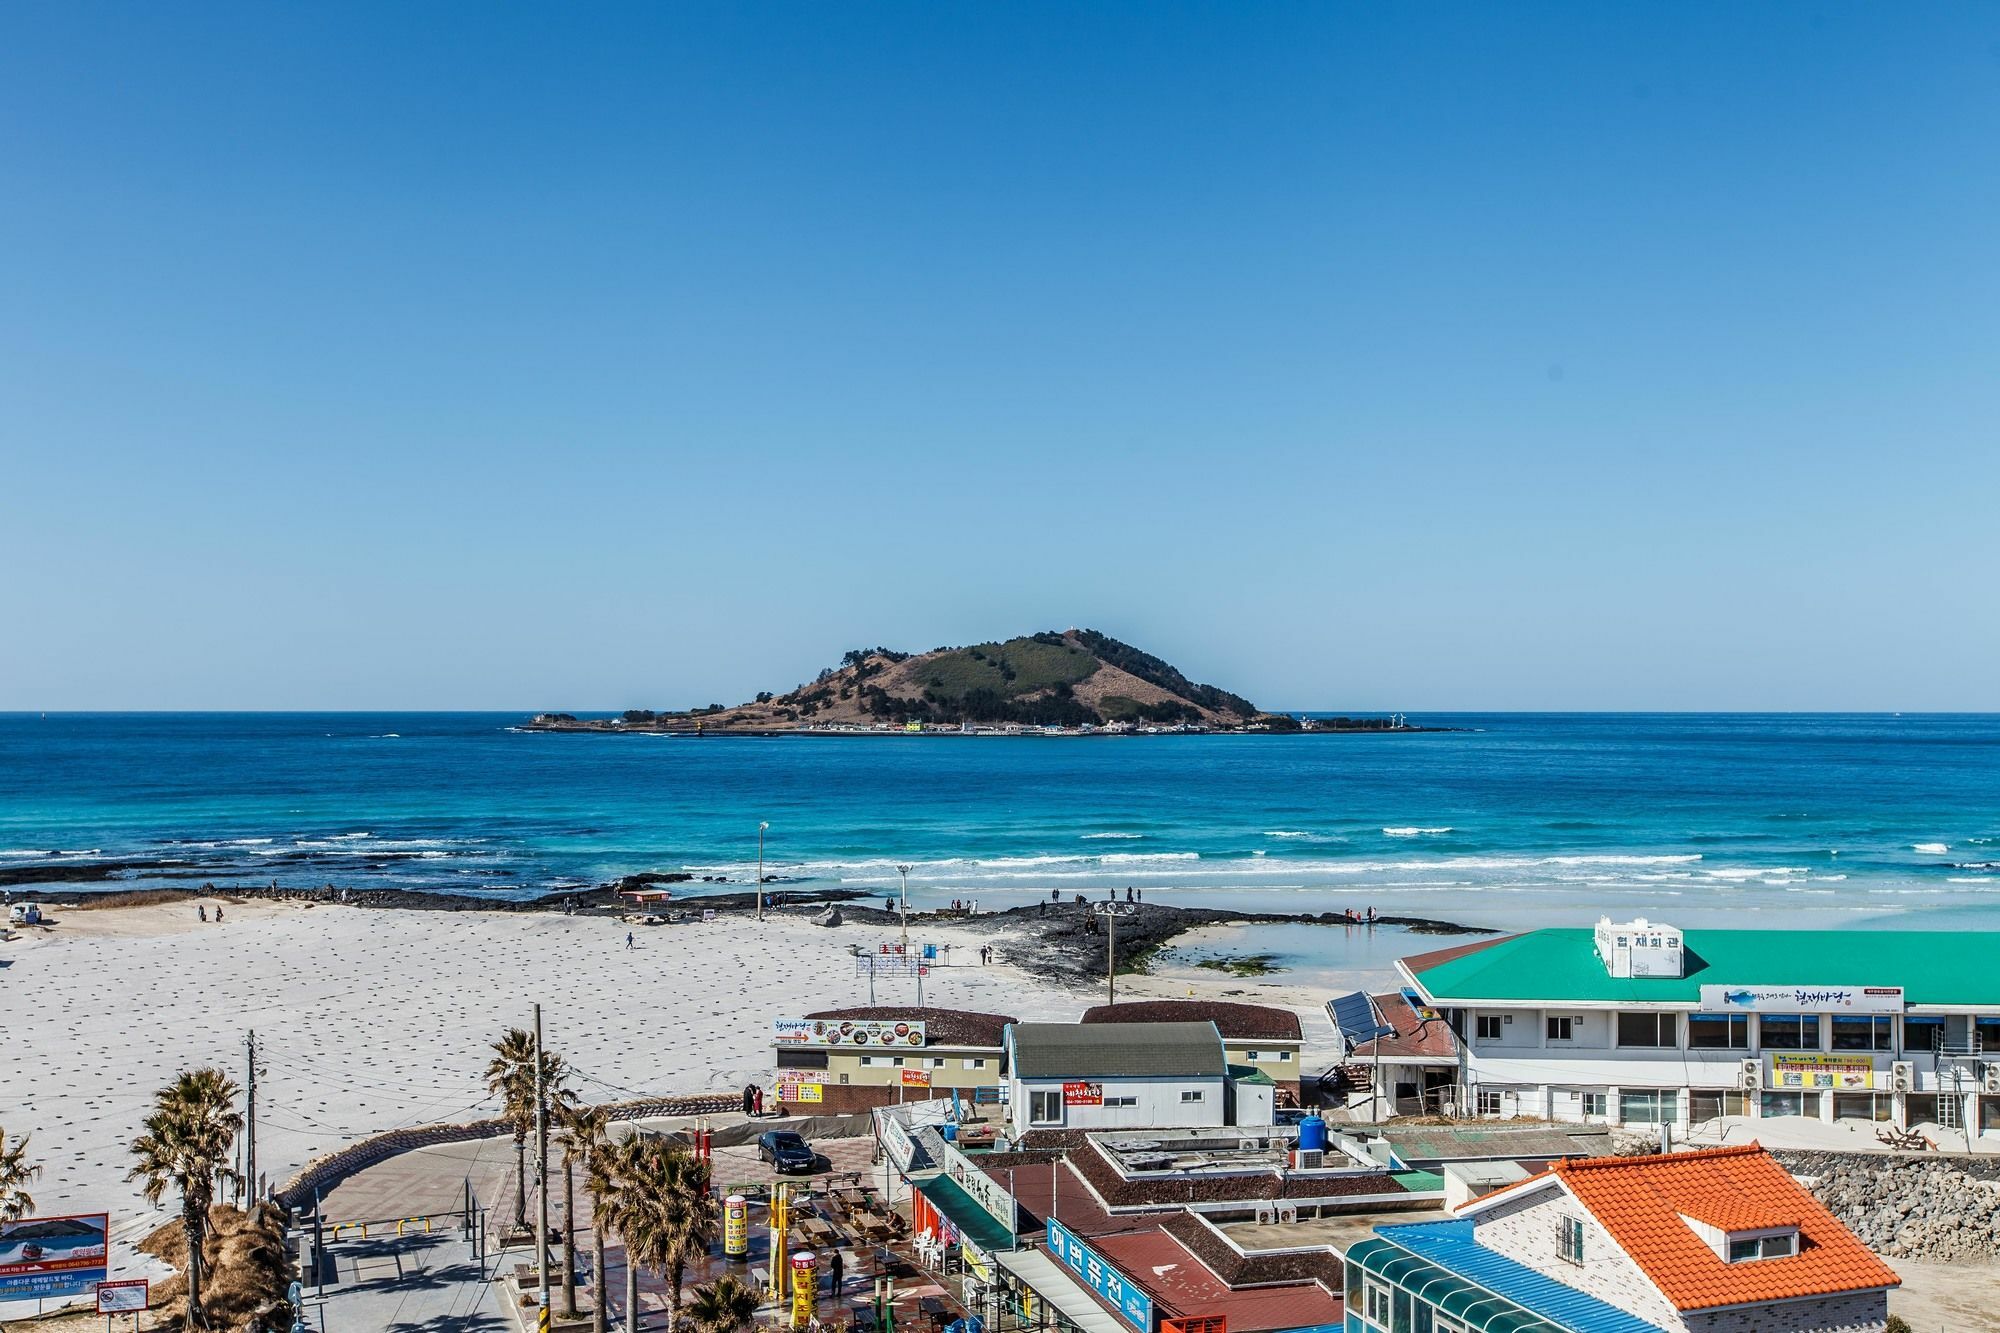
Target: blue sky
[{"x": 1370, "y": 357}]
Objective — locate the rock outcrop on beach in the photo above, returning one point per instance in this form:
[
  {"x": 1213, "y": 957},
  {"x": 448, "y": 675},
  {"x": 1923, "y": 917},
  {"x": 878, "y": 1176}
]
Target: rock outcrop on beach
[{"x": 1076, "y": 677}]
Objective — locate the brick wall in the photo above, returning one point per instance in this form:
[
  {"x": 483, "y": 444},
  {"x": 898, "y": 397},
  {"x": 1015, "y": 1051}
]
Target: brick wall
[
  {"x": 324, "y": 1173},
  {"x": 1831, "y": 1314},
  {"x": 1526, "y": 1230}
]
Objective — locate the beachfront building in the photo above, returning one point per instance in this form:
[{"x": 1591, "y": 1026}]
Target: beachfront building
[
  {"x": 1721, "y": 1241},
  {"x": 1256, "y": 1035},
  {"x": 1641, "y": 1023},
  {"x": 835, "y": 1061},
  {"x": 1128, "y": 1076}
]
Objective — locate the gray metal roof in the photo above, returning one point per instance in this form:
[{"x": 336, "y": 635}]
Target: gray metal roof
[{"x": 1117, "y": 1050}]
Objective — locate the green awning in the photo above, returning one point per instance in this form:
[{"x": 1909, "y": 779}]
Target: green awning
[{"x": 963, "y": 1211}]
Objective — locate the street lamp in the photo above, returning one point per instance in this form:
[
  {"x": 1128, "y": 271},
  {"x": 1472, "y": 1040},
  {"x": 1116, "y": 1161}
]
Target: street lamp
[
  {"x": 904, "y": 871},
  {"x": 1111, "y": 912},
  {"x": 761, "y": 826}
]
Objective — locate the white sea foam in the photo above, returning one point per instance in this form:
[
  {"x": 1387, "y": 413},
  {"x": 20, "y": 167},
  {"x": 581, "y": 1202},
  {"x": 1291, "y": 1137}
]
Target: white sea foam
[
  {"x": 1412, "y": 831},
  {"x": 1931, "y": 848},
  {"x": 1285, "y": 833},
  {"x": 1090, "y": 837}
]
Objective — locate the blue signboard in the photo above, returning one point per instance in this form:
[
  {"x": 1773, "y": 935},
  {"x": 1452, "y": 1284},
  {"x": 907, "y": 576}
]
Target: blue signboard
[
  {"x": 1095, "y": 1271},
  {"x": 52, "y": 1256}
]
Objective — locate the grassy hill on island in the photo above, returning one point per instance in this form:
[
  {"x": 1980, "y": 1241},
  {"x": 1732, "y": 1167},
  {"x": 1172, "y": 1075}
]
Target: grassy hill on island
[{"x": 1073, "y": 678}]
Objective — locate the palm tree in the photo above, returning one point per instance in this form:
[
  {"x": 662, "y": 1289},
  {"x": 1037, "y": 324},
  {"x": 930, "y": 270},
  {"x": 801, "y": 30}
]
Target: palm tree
[
  {"x": 15, "y": 1173},
  {"x": 186, "y": 1146},
  {"x": 510, "y": 1076},
  {"x": 582, "y": 1129},
  {"x": 610, "y": 1174},
  {"x": 670, "y": 1216},
  {"x": 725, "y": 1305}
]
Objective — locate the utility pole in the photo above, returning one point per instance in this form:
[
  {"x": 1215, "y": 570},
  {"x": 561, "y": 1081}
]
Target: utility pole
[
  {"x": 762, "y": 825},
  {"x": 250, "y": 1119},
  {"x": 541, "y": 1172}
]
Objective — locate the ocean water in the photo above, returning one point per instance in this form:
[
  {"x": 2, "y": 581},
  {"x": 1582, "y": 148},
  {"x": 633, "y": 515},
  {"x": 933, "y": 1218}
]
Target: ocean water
[{"x": 1511, "y": 819}]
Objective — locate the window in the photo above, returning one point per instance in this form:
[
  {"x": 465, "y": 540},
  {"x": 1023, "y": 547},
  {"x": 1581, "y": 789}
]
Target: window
[
  {"x": 1489, "y": 1027},
  {"x": 1706, "y": 1106},
  {"x": 1562, "y": 1027},
  {"x": 1748, "y": 1248},
  {"x": 1863, "y": 1032},
  {"x": 1284, "y": 1057},
  {"x": 1719, "y": 1032},
  {"x": 937, "y": 1062},
  {"x": 1191, "y": 1095},
  {"x": 1569, "y": 1239},
  {"x": 867, "y": 1060},
  {"x": 1647, "y": 1030},
  {"x": 794, "y": 1059},
  {"x": 1378, "y": 1305},
  {"x": 1252, "y": 1055},
  {"x": 1986, "y": 1032},
  {"x": 1121, "y": 1101},
  {"x": 1045, "y": 1108},
  {"x": 1783, "y": 1103},
  {"x": 896, "y": 1061},
  {"x": 1649, "y": 1106},
  {"x": 1923, "y": 1034},
  {"x": 1597, "y": 1104},
  {"x": 1863, "y": 1106},
  {"x": 1491, "y": 1103},
  {"x": 978, "y": 1062},
  {"x": 1788, "y": 1032}
]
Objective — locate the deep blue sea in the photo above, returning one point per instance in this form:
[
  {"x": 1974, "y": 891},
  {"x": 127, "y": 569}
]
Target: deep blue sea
[{"x": 1513, "y": 819}]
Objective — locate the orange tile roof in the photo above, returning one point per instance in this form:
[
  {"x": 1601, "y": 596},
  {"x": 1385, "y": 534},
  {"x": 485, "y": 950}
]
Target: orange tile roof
[{"x": 1640, "y": 1200}]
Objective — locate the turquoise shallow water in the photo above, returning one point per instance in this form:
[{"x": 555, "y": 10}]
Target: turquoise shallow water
[{"x": 1514, "y": 818}]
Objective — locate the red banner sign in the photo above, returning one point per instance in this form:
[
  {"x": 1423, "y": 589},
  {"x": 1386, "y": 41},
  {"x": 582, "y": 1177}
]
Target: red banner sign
[{"x": 1083, "y": 1094}]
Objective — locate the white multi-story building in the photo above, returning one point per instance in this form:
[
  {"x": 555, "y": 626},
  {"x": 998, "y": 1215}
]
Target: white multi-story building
[{"x": 1642, "y": 1023}]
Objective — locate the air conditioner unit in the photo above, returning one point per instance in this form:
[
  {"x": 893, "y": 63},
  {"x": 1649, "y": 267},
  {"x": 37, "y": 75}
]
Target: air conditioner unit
[
  {"x": 1902, "y": 1076},
  {"x": 1989, "y": 1080},
  {"x": 1750, "y": 1075},
  {"x": 1309, "y": 1159}
]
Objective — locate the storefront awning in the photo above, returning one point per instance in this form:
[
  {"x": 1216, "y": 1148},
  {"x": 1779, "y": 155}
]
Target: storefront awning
[
  {"x": 1053, "y": 1284},
  {"x": 962, "y": 1211}
]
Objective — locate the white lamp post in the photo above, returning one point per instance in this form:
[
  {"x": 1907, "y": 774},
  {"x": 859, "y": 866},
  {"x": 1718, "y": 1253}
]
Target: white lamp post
[
  {"x": 904, "y": 871},
  {"x": 761, "y": 826}
]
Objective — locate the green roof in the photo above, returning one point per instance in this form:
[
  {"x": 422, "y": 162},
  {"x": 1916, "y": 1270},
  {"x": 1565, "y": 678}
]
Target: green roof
[
  {"x": 1248, "y": 1074},
  {"x": 1933, "y": 967},
  {"x": 985, "y": 1231}
]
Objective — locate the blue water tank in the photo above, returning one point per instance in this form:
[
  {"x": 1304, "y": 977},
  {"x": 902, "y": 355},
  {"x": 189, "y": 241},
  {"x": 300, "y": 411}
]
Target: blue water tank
[
  {"x": 1312, "y": 1134},
  {"x": 950, "y": 1131}
]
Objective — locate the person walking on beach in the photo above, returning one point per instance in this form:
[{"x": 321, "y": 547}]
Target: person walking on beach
[
  {"x": 1055, "y": 895},
  {"x": 1128, "y": 893},
  {"x": 628, "y": 939},
  {"x": 202, "y": 910},
  {"x": 218, "y": 914}
]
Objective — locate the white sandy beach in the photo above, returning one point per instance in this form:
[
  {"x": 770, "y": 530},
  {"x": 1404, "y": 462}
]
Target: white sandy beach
[{"x": 370, "y": 1020}]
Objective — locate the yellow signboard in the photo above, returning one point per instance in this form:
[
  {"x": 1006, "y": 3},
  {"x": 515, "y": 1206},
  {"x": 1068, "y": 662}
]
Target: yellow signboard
[
  {"x": 810, "y": 1092},
  {"x": 1842, "y": 1073}
]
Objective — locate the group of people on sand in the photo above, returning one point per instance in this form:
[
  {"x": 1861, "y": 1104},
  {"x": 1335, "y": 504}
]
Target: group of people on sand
[{"x": 201, "y": 910}]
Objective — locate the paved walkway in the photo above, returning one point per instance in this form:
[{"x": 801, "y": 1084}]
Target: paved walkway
[{"x": 426, "y": 1284}]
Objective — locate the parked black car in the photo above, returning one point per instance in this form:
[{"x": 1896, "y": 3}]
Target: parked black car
[{"x": 786, "y": 1151}]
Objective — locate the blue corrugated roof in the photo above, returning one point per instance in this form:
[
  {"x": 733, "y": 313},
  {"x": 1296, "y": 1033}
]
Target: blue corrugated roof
[{"x": 1450, "y": 1245}]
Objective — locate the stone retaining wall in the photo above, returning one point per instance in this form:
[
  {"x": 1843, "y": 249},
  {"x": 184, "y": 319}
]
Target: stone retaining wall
[
  {"x": 324, "y": 1173},
  {"x": 1917, "y": 1206}
]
